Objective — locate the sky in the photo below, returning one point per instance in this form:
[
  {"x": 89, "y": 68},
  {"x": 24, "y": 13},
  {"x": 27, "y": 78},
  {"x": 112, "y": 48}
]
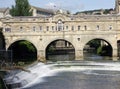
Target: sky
[{"x": 71, "y": 5}]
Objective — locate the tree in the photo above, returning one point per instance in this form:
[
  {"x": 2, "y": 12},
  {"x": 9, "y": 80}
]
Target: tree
[
  {"x": 27, "y": 45},
  {"x": 21, "y": 8}
]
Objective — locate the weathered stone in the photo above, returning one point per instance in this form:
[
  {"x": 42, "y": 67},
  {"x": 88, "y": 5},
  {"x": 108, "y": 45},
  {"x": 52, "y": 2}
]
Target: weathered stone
[{"x": 76, "y": 29}]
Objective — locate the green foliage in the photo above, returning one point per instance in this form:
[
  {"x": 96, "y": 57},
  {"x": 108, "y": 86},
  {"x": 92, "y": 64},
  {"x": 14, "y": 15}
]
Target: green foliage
[
  {"x": 22, "y": 8},
  {"x": 94, "y": 43},
  {"x": 23, "y": 51},
  {"x": 99, "y": 50},
  {"x": 51, "y": 49},
  {"x": 28, "y": 45},
  {"x": 104, "y": 50},
  {"x": 105, "y": 11}
]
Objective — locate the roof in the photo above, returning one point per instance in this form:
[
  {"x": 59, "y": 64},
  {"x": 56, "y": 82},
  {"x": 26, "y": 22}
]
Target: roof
[
  {"x": 44, "y": 10},
  {"x": 3, "y": 9}
]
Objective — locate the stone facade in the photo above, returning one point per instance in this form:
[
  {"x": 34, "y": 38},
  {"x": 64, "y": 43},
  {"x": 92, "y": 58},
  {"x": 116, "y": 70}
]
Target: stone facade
[{"x": 76, "y": 29}]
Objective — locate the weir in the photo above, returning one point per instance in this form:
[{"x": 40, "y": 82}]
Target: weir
[{"x": 39, "y": 71}]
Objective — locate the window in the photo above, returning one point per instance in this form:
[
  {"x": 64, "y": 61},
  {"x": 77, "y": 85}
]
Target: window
[
  {"x": 7, "y": 29},
  {"x": 85, "y": 27},
  {"x": 78, "y": 28},
  {"x": 34, "y": 28},
  {"x": 21, "y": 28},
  {"x": 52, "y": 28},
  {"x": 47, "y": 28},
  {"x": 59, "y": 25},
  {"x": 40, "y": 28},
  {"x": 78, "y": 39},
  {"x": 98, "y": 27},
  {"x": 66, "y": 27},
  {"x": 110, "y": 27},
  {"x": 56, "y": 28},
  {"x": 72, "y": 28}
]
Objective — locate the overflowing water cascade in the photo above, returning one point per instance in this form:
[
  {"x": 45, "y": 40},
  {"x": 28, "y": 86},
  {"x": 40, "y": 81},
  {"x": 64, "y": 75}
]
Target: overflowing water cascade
[
  {"x": 39, "y": 71},
  {"x": 26, "y": 78}
]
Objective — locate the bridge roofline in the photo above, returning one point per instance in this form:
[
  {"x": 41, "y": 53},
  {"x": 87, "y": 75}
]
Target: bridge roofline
[
  {"x": 64, "y": 17},
  {"x": 69, "y": 15},
  {"x": 110, "y": 15}
]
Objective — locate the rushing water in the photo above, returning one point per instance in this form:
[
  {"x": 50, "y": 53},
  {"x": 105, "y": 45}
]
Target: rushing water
[
  {"x": 64, "y": 73},
  {"x": 80, "y": 75},
  {"x": 70, "y": 75}
]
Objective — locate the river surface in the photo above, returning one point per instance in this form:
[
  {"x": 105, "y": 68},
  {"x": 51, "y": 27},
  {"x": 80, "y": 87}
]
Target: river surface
[
  {"x": 80, "y": 80},
  {"x": 79, "y": 75},
  {"x": 94, "y": 73}
]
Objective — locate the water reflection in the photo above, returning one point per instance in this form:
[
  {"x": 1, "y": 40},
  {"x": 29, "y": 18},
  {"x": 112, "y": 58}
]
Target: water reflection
[
  {"x": 87, "y": 57},
  {"x": 62, "y": 57},
  {"x": 94, "y": 57}
]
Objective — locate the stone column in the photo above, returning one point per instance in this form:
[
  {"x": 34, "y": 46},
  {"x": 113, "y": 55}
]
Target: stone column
[
  {"x": 79, "y": 55},
  {"x": 41, "y": 56},
  {"x": 115, "y": 54}
]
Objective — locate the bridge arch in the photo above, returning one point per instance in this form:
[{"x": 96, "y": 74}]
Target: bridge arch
[
  {"x": 55, "y": 39},
  {"x": 106, "y": 40},
  {"x": 9, "y": 42},
  {"x": 23, "y": 50},
  {"x": 97, "y": 44},
  {"x": 64, "y": 50}
]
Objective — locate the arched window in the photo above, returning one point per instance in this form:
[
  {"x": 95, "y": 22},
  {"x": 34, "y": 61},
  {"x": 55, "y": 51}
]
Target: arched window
[{"x": 60, "y": 25}]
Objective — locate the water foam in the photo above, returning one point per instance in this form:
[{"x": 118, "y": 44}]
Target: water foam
[{"x": 40, "y": 70}]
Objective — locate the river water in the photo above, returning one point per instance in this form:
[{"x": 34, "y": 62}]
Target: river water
[
  {"x": 79, "y": 75},
  {"x": 88, "y": 74}
]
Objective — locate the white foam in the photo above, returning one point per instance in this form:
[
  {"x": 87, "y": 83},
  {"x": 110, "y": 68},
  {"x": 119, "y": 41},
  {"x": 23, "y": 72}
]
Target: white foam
[{"x": 41, "y": 70}]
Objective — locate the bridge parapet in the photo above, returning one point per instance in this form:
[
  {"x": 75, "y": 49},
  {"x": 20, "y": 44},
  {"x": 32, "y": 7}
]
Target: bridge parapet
[{"x": 75, "y": 23}]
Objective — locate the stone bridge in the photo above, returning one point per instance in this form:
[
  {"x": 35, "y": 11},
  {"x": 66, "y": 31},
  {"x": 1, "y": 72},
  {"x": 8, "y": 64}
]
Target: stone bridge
[{"x": 76, "y": 29}]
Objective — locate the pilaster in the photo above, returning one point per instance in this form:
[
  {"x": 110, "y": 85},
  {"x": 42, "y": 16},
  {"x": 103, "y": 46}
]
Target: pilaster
[{"x": 79, "y": 55}]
